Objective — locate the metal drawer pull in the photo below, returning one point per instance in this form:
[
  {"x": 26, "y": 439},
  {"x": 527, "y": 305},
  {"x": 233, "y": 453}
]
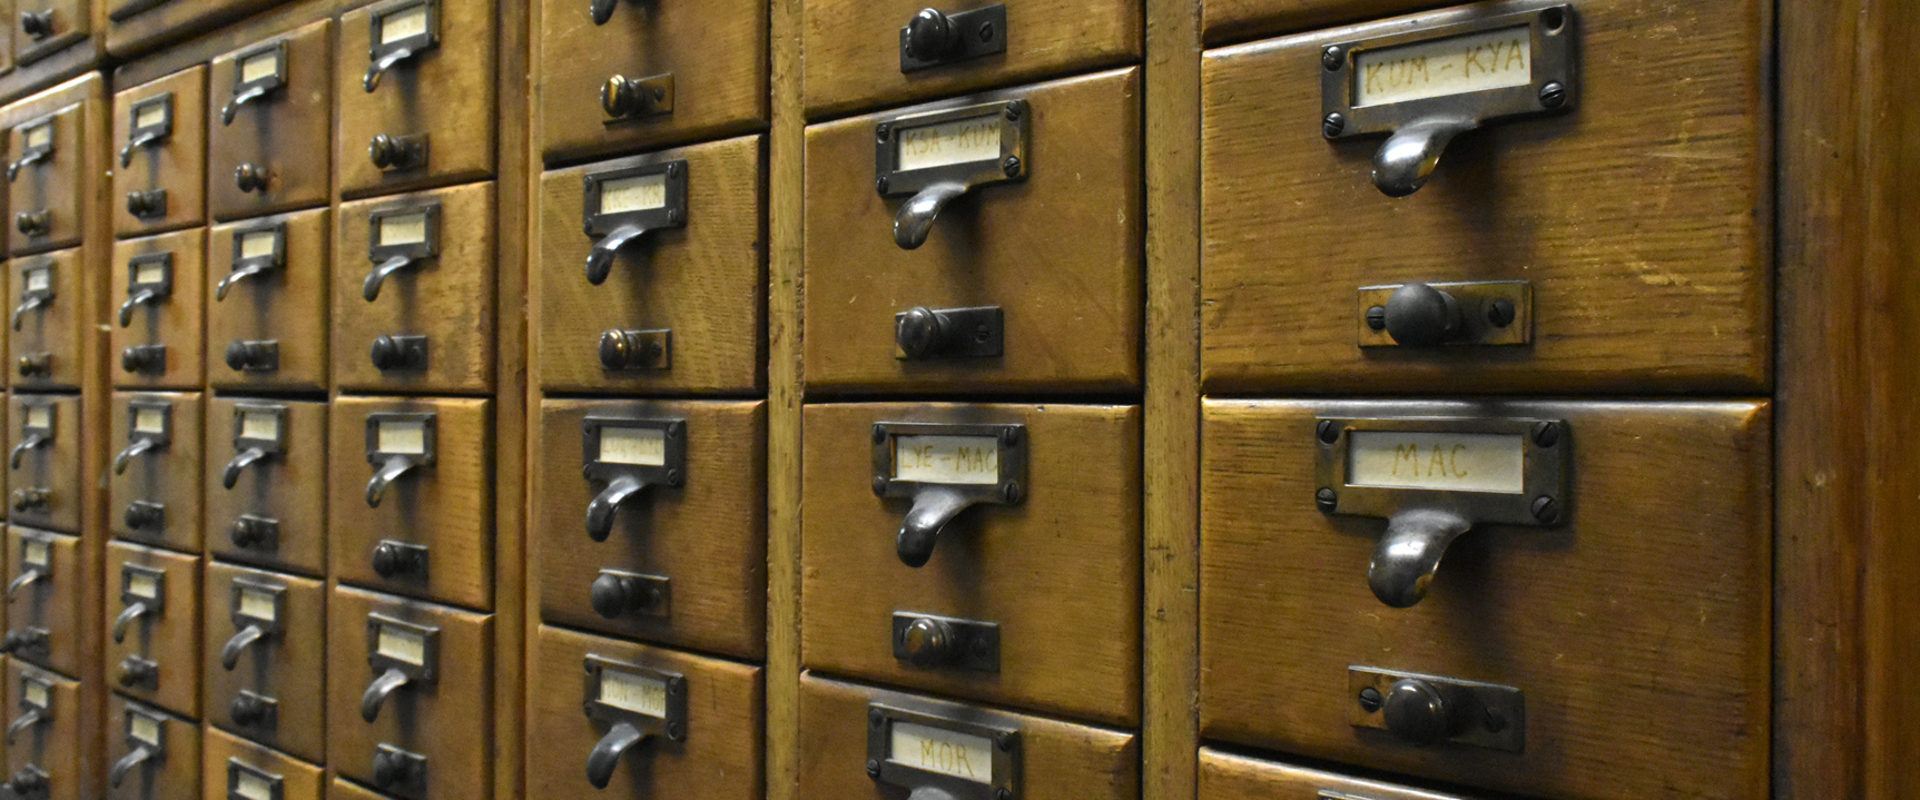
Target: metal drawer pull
[
  {"x": 125, "y": 620},
  {"x": 378, "y": 691},
  {"x": 601, "y": 10},
  {"x": 125, "y": 458},
  {"x": 32, "y": 441},
  {"x": 34, "y": 301},
  {"x": 23, "y": 722},
  {"x": 915, "y": 218},
  {"x": 382, "y": 64},
  {"x": 607, "y": 752},
  {"x": 242, "y": 98},
  {"x": 37, "y": 24},
  {"x": 230, "y": 654},
  {"x": 600, "y": 509},
  {"x": 385, "y": 476},
  {"x": 25, "y": 579},
  {"x": 31, "y": 158},
  {"x": 246, "y": 458},
  {"x": 126, "y": 309},
  {"x": 118, "y": 774}
]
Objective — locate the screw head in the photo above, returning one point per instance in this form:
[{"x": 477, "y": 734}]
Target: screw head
[
  {"x": 1495, "y": 721},
  {"x": 1010, "y": 436},
  {"x": 873, "y": 768},
  {"x": 673, "y": 477},
  {"x": 1010, "y": 491},
  {"x": 1003, "y": 794},
  {"x": 1014, "y": 110},
  {"x": 880, "y": 185},
  {"x": 1003, "y": 740},
  {"x": 1546, "y": 434},
  {"x": 1332, "y": 58},
  {"x": 1327, "y": 499},
  {"x": 883, "y": 131},
  {"x": 1553, "y": 95},
  {"x": 1011, "y": 166},
  {"x": 1370, "y": 699},
  {"x": 1377, "y": 318},
  {"x": 879, "y": 486},
  {"x": 1500, "y": 313},
  {"x": 1333, "y": 125},
  {"x": 1545, "y": 509},
  {"x": 1328, "y": 431},
  {"x": 986, "y": 31},
  {"x": 875, "y": 718}
]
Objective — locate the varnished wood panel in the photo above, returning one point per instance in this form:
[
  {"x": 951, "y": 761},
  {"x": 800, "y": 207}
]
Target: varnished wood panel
[
  {"x": 173, "y": 773},
  {"x": 287, "y": 305},
  {"x": 53, "y": 745},
  {"x": 288, "y": 665},
  {"x": 295, "y": 779},
  {"x": 53, "y": 468},
  {"x": 289, "y": 488},
  {"x": 169, "y": 475},
  {"x": 6, "y": 46},
  {"x": 177, "y": 321},
  {"x": 177, "y": 163},
  {"x": 71, "y": 21},
  {"x": 55, "y": 185},
  {"x": 445, "y": 93},
  {"x": 1229, "y": 20},
  {"x": 1224, "y": 776},
  {"x": 168, "y": 636},
  {"x": 173, "y": 19},
  {"x": 287, "y": 133},
  {"x": 51, "y": 603},
  {"x": 55, "y": 332},
  {"x": 786, "y": 188}
]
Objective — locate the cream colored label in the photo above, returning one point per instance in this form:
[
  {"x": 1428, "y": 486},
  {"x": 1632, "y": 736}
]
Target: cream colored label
[
  {"x": 646, "y": 447},
  {"x": 256, "y": 604},
  {"x": 149, "y": 420},
  {"x": 151, "y": 272},
  {"x": 38, "y": 136},
  {"x": 403, "y": 23},
  {"x": 39, "y": 280},
  {"x": 251, "y": 786},
  {"x": 946, "y": 752},
  {"x": 261, "y": 425},
  {"x": 260, "y": 66},
  {"x": 256, "y": 244},
  {"x": 638, "y": 193},
  {"x": 1455, "y": 65},
  {"x": 403, "y": 438},
  {"x": 38, "y": 694},
  {"x": 402, "y": 645},
  {"x": 141, "y": 584},
  {"x": 149, "y": 115},
  {"x": 947, "y": 459},
  {"x": 40, "y": 417},
  {"x": 1458, "y": 462},
  {"x": 36, "y": 554},
  {"x": 959, "y": 142},
  {"x": 636, "y": 693},
  {"x": 403, "y": 229},
  {"x": 145, "y": 729}
]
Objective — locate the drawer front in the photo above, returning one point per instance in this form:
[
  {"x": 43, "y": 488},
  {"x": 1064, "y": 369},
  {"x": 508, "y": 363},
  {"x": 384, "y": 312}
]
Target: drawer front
[
  {"x": 160, "y": 139},
  {"x": 269, "y": 331},
  {"x": 153, "y": 755},
  {"x": 435, "y": 727},
  {"x": 694, "y": 529},
  {"x": 1231, "y": 20},
  {"x": 1632, "y": 271},
  {"x": 1057, "y": 570},
  {"x": 1052, "y": 760},
  {"x": 415, "y": 518},
  {"x": 159, "y": 284},
  {"x": 43, "y": 27},
  {"x": 265, "y": 658},
  {"x": 702, "y": 719},
  {"x": 428, "y": 261},
  {"x": 269, "y": 152},
  {"x": 47, "y": 753},
  {"x": 46, "y": 345},
  {"x": 442, "y": 95},
  {"x": 695, "y": 284},
  {"x": 135, "y": 27},
  {"x": 43, "y": 612},
  {"x": 1615, "y": 568},
  {"x": 1224, "y": 776},
  {"x": 6, "y": 65},
  {"x": 854, "y": 60},
  {"x": 237, "y": 768},
  {"x": 266, "y": 483},
  {"x": 48, "y": 167},
  {"x": 153, "y": 626},
  {"x": 153, "y": 491},
  {"x": 45, "y": 461},
  {"x": 1066, "y": 308}
]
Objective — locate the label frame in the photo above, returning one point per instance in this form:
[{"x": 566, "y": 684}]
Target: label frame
[
  {"x": 673, "y": 725},
  {"x": 157, "y": 604},
  {"x": 1010, "y": 437},
  {"x": 1004, "y": 736},
  {"x": 264, "y": 84},
  {"x": 428, "y": 435},
  {"x": 1015, "y": 120},
  {"x": 429, "y": 245},
  {"x": 138, "y": 134},
  {"x": 275, "y": 260},
  {"x": 671, "y": 472},
  {"x": 422, "y": 672},
  {"x": 38, "y": 153},
  {"x": 1544, "y": 469},
  {"x": 671, "y": 214},
  {"x": 276, "y": 784},
  {"x": 236, "y": 599},
  {"x": 413, "y": 44}
]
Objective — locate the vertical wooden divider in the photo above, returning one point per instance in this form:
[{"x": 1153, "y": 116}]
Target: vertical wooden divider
[
  {"x": 785, "y": 187},
  {"x": 517, "y": 174}
]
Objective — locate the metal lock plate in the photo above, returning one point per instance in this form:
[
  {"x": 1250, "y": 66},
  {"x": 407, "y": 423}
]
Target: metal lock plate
[
  {"x": 956, "y": 36},
  {"x": 972, "y": 146},
  {"x": 643, "y": 595},
  {"x": 260, "y": 71},
  {"x": 410, "y": 232},
  {"x": 653, "y": 701},
  {"x": 404, "y": 436},
  {"x": 1490, "y": 470},
  {"x": 986, "y": 462},
  {"x": 637, "y": 349},
  {"x": 260, "y": 427},
  {"x": 1498, "y": 66},
  {"x": 1466, "y": 712},
  {"x": 148, "y": 729},
  {"x": 646, "y": 197},
  {"x": 150, "y": 275},
  {"x": 145, "y": 585},
  {"x": 652, "y": 451},
  {"x": 392, "y": 644},
  {"x": 975, "y": 757},
  {"x": 150, "y": 121},
  {"x": 927, "y": 640},
  {"x": 248, "y": 782},
  {"x": 402, "y": 28},
  {"x": 407, "y": 770},
  {"x": 1490, "y": 313},
  {"x": 257, "y": 604},
  {"x": 943, "y": 333}
]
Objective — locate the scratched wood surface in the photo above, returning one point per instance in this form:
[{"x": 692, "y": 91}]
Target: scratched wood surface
[
  {"x": 174, "y": 20},
  {"x": 177, "y": 164},
  {"x": 177, "y": 322},
  {"x": 287, "y": 305},
  {"x": 289, "y": 666},
  {"x": 1237, "y": 20},
  {"x": 1226, "y": 776},
  {"x": 289, "y": 488},
  {"x": 54, "y": 467},
  {"x": 48, "y": 744},
  {"x": 72, "y": 20},
  {"x": 169, "y": 636},
  {"x": 55, "y": 331}
]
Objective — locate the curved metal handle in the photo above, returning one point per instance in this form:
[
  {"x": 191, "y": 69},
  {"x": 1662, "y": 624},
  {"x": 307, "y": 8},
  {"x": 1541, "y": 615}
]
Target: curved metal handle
[
  {"x": 1408, "y": 157},
  {"x": 929, "y": 793},
  {"x": 118, "y": 774},
  {"x": 137, "y": 142},
  {"x": 126, "y": 308},
  {"x": 21, "y": 582},
  {"x": 915, "y": 218},
  {"x": 29, "y": 304},
  {"x": 126, "y": 456},
  {"x": 600, "y": 261},
  {"x": 601, "y": 10},
  {"x": 600, "y": 510},
  {"x": 933, "y": 508},
  {"x": 606, "y": 754},
  {"x": 377, "y": 693},
  {"x": 371, "y": 289},
  {"x": 26, "y": 444},
  {"x": 1409, "y": 553},
  {"x": 233, "y": 106},
  {"x": 382, "y": 64},
  {"x": 13, "y": 169},
  {"x": 394, "y": 468},
  {"x": 248, "y": 271},
  {"x": 230, "y": 654},
  {"x": 126, "y": 618},
  {"x": 23, "y": 722},
  {"x": 246, "y": 457}
]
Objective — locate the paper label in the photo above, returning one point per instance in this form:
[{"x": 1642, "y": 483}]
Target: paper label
[
  {"x": 38, "y": 136},
  {"x": 959, "y": 142},
  {"x": 39, "y": 280},
  {"x": 141, "y": 584},
  {"x": 149, "y": 115},
  {"x": 40, "y": 417},
  {"x": 1460, "y": 462},
  {"x": 145, "y": 729},
  {"x": 638, "y": 193},
  {"x": 150, "y": 272},
  {"x": 1471, "y": 62},
  {"x": 256, "y": 604},
  {"x": 37, "y": 694},
  {"x": 258, "y": 244},
  {"x": 637, "y": 693},
  {"x": 251, "y": 786},
  {"x": 411, "y": 21},
  {"x": 149, "y": 420},
  {"x": 261, "y": 425},
  {"x": 946, "y": 752},
  {"x": 646, "y": 447},
  {"x": 403, "y": 229},
  {"x": 263, "y": 65},
  {"x": 36, "y": 554},
  {"x": 402, "y": 645},
  {"x": 947, "y": 459},
  {"x": 403, "y": 438}
]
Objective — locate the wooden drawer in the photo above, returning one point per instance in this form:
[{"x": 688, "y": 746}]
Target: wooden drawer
[
  {"x": 153, "y": 626},
  {"x": 695, "y": 529},
  {"x": 701, "y": 718},
  {"x": 48, "y": 173},
  {"x": 430, "y": 324},
  {"x": 1047, "y": 759},
  {"x": 136, "y": 26},
  {"x": 43, "y": 27},
  {"x": 265, "y": 658},
  {"x": 1230, "y": 20},
  {"x": 160, "y": 136},
  {"x": 1224, "y": 776},
  {"x": 1655, "y": 601},
  {"x": 44, "y": 625},
  {"x": 270, "y": 152},
  {"x": 236, "y": 768},
  {"x": 153, "y": 491},
  {"x": 44, "y": 449},
  {"x": 1630, "y": 270},
  {"x": 1057, "y": 571},
  {"x": 270, "y": 329},
  {"x": 157, "y": 335},
  {"x": 415, "y": 518},
  {"x": 695, "y": 282},
  {"x": 853, "y": 47},
  {"x": 266, "y": 483},
  {"x": 44, "y": 758},
  {"x": 153, "y": 755},
  {"x": 441, "y": 95},
  {"x": 432, "y": 734},
  {"x": 709, "y": 60},
  {"x": 1070, "y": 304},
  {"x": 46, "y": 344}
]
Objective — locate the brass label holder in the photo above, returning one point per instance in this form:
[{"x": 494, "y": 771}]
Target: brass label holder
[{"x": 947, "y": 747}]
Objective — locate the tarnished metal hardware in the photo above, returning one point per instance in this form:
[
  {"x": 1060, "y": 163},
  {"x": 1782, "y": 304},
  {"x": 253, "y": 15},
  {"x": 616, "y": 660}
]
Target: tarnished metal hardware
[
  {"x": 616, "y": 594},
  {"x": 147, "y": 204},
  {"x": 934, "y": 37},
  {"x": 150, "y": 123},
  {"x": 256, "y": 608},
  {"x": 257, "y": 251},
  {"x": 37, "y": 424},
  {"x": 621, "y": 206},
  {"x": 394, "y": 560},
  {"x": 248, "y": 782},
  {"x": 32, "y": 499},
  {"x": 250, "y": 177},
  {"x": 399, "y": 238},
  {"x": 398, "y": 771},
  {"x": 34, "y": 223},
  {"x": 391, "y": 353},
  {"x": 922, "y": 333},
  {"x": 622, "y": 350},
  {"x": 601, "y": 10},
  {"x": 624, "y": 98},
  {"x": 397, "y": 31},
  {"x": 257, "y": 73},
  {"x": 625, "y": 456},
  {"x": 251, "y": 532},
  {"x": 149, "y": 282},
  {"x": 149, "y": 359},
  {"x": 36, "y": 365},
  {"x": 938, "y": 156},
  {"x": 253, "y": 355},
  {"x": 946, "y": 468},
  {"x": 1437, "y": 499},
  {"x": 36, "y": 290},
  {"x": 145, "y": 733},
  {"x": 36, "y": 142},
  {"x": 149, "y": 427},
  {"x": 637, "y": 703},
  {"x": 248, "y": 709},
  {"x": 37, "y": 25},
  {"x": 259, "y": 433},
  {"x": 397, "y": 443},
  {"x": 1430, "y": 709},
  {"x": 35, "y": 562},
  {"x": 952, "y": 751},
  {"x": 1431, "y": 314},
  {"x": 929, "y": 641},
  {"x": 29, "y": 782},
  {"x": 143, "y": 593},
  {"x": 146, "y": 516},
  {"x": 399, "y": 153},
  {"x": 36, "y": 704},
  {"x": 139, "y": 672},
  {"x": 400, "y": 653},
  {"x": 33, "y": 639},
  {"x": 1427, "y": 85}
]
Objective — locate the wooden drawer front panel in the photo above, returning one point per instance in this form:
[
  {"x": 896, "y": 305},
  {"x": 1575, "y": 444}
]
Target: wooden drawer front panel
[
  {"x": 1230, "y": 777},
  {"x": 54, "y": 25},
  {"x": 1057, "y": 760},
  {"x": 1058, "y": 571},
  {"x": 710, "y": 60},
  {"x": 43, "y": 613},
  {"x": 159, "y": 285},
  {"x": 154, "y": 754},
  {"x": 853, "y": 48},
  {"x": 1228, "y": 20},
  {"x": 444, "y": 505},
  {"x": 237, "y": 768},
  {"x": 444, "y": 718},
  {"x": 152, "y": 626},
  {"x": 160, "y": 141},
  {"x": 6, "y": 65},
  {"x": 47, "y": 753},
  {"x": 703, "y": 528},
  {"x": 444, "y": 293},
  {"x": 273, "y": 512},
  {"x": 45, "y": 477},
  {"x": 277, "y": 143},
  {"x": 1652, "y": 583},
  {"x": 712, "y": 751},
  {"x": 44, "y": 196},
  {"x": 702, "y": 280},
  {"x": 1647, "y": 272},
  {"x": 153, "y": 492},
  {"x": 1071, "y": 303},
  {"x": 136, "y": 26},
  {"x": 46, "y": 347},
  {"x": 272, "y": 629},
  {"x": 283, "y": 308},
  {"x": 443, "y": 94}
]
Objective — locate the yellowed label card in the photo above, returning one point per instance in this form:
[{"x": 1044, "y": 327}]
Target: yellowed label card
[
  {"x": 263, "y": 425},
  {"x": 149, "y": 420},
  {"x": 251, "y": 786},
  {"x": 37, "y": 694},
  {"x": 402, "y": 645},
  {"x": 149, "y": 115},
  {"x": 637, "y": 693},
  {"x": 1455, "y": 65},
  {"x": 258, "y": 244},
  {"x": 1460, "y": 462},
  {"x": 141, "y": 584},
  {"x": 403, "y": 228},
  {"x": 40, "y": 417},
  {"x": 645, "y": 447},
  {"x": 638, "y": 193},
  {"x": 257, "y": 604},
  {"x": 958, "y": 142},
  {"x": 38, "y": 136},
  {"x": 150, "y": 272},
  {"x": 39, "y": 280},
  {"x": 36, "y": 554},
  {"x": 262, "y": 65},
  {"x": 144, "y": 728},
  {"x": 943, "y": 751},
  {"x": 403, "y": 437},
  {"x": 947, "y": 459},
  {"x": 410, "y": 21}
]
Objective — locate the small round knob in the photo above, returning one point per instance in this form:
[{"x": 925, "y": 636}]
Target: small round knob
[
  {"x": 33, "y": 223},
  {"x": 37, "y": 24},
  {"x": 387, "y": 354},
  {"x": 35, "y": 364},
  {"x": 250, "y": 178},
  {"x": 247, "y": 710},
  {"x": 621, "y": 97},
  {"x": 26, "y": 782},
  {"x": 930, "y": 35},
  {"x": 922, "y": 332},
  {"x": 13, "y": 643},
  {"x": 1419, "y": 315},
  {"x": 134, "y": 672},
  {"x": 384, "y": 151},
  {"x": 246, "y": 534},
  {"x": 615, "y": 596},
  {"x": 141, "y": 516},
  {"x": 928, "y": 642},
  {"x": 388, "y": 769},
  {"x": 141, "y": 358},
  {"x": 1418, "y": 712},
  {"x": 391, "y": 561},
  {"x": 29, "y": 499}
]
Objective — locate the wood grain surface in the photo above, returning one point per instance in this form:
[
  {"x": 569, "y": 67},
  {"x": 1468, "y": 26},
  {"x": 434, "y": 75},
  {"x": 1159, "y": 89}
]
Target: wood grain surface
[
  {"x": 445, "y": 92},
  {"x": 50, "y": 744},
  {"x": 57, "y": 329},
  {"x": 289, "y": 666},
  {"x": 57, "y": 184},
  {"x": 170, "y": 475},
  {"x": 289, "y": 488},
  {"x": 52, "y": 603},
  {"x": 54, "y": 466},
  {"x": 1225, "y": 776},
  {"x": 288, "y": 132},
  {"x": 169, "y": 637},
  {"x": 171, "y": 774},
  {"x": 288, "y": 305},
  {"x": 177, "y": 163},
  {"x": 296, "y": 779},
  {"x": 1235, "y": 20},
  {"x": 178, "y": 322}
]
